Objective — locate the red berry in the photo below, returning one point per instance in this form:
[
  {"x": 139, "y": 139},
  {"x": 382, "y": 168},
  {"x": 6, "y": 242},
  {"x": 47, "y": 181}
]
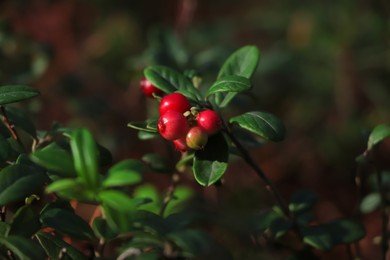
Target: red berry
[
  {"x": 172, "y": 125},
  {"x": 176, "y": 102},
  {"x": 180, "y": 145},
  {"x": 148, "y": 88},
  {"x": 196, "y": 138},
  {"x": 209, "y": 121}
]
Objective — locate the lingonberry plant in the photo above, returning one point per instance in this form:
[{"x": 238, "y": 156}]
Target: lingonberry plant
[{"x": 45, "y": 173}]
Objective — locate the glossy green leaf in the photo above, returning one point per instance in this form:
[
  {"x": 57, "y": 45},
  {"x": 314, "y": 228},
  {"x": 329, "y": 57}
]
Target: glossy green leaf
[
  {"x": 150, "y": 192},
  {"x": 84, "y": 152},
  {"x": 377, "y": 135},
  {"x": 119, "y": 221},
  {"x": 102, "y": 229},
  {"x": 72, "y": 189},
  {"x": 242, "y": 62},
  {"x": 25, "y": 222},
  {"x": 261, "y": 123},
  {"x": 230, "y": 83},
  {"x": 317, "y": 237},
  {"x": 142, "y": 135},
  {"x": 345, "y": 231},
  {"x": 16, "y": 93},
  {"x": 124, "y": 173},
  {"x": 118, "y": 200},
  {"x": 19, "y": 181},
  {"x": 54, "y": 158},
  {"x": 54, "y": 247},
  {"x": 302, "y": 201},
  {"x": 22, "y": 248},
  {"x": 211, "y": 163},
  {"x": 370, "y": 202},
  {"x": 5, "y": 149},
  {"x": 67, "y": 223},
  {"x": 169, "y": 80}
]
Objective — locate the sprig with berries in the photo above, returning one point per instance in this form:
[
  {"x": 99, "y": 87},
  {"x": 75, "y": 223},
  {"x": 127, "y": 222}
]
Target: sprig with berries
[{"x": 190, "y": 115}]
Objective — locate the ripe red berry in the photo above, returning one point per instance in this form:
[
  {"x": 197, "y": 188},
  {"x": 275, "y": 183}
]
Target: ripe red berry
[
  {"x": 196, "y": 138},
  {"x": 176, "y": 102},
  {"x": 172, "y": 125},
  {"x": 148, "y": 88},
  {"x": 180, "y": 145},
  {"x": 209, "y": 121}
]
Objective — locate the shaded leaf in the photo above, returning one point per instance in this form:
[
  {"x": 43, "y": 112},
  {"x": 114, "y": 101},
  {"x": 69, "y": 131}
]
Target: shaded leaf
[
  {"x": 142, "y": 126},
  {"x": 102, "y": 229},
  {"x": 22, "y": 248},
  {"x": 16, "y": 93},
  {"x": 192, "y": 242},
  {"x": 280, "y": 226},
  {"x": 302, "y": 201},
  {"x": 345, "y": 231},
  {"x": 25, "y": 222},
  {"x": 318, "y": 237},
  {"x": 5, "y": 149},
  {"x": 55, "y": 246},
  {"x": 157, "y": 163},
  {"x": 21, "y": 120},
  {"x": 211, "y": 162},
  {"x": 67, "y": 223},
  {"x": 261, "y": 123}
]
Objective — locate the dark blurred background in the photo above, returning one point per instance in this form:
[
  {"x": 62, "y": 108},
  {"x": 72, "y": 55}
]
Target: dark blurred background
[{"x": 324, "y": 70}]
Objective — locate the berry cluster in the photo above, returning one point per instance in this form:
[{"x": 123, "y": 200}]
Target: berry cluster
[{"x": 187, "y": 127}]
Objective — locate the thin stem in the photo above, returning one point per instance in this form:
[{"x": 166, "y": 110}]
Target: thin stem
[
  {"x": 11, "y": 127},
  {"x": 385, "y": 217},
  {"x": 268, "y": 184},
  {"x": 169, "y": 196}
]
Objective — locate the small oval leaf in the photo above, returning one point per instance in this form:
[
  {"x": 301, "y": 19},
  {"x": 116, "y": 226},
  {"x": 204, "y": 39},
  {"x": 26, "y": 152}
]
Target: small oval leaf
[
  {"x": 377, "y": 135},
  {"x": 16, "y": 93},
  {"x": 242, "y": 62},
  {"x": 211, "y": 162},
  {"x": 230, "y": 83},
  {"x": 263, "y": 124},
  {"x": 370, "y": 202}
]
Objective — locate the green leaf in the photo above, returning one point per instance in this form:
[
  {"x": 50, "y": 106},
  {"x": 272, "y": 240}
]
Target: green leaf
[
  {"x": 54, "y": 158},
  {"x": 211, "y": 162},
  {"x": 102, "y": 229},
  {"x": 302, "y": 201},
  {"x": 72, "y": 189},
  {"x": 157, "y": 163},
  {"x": 150, "y": 192},
  {"x": 19, "y": 181},
  {"x": 119, "y": 221},
  {"x": 345, "y": 231},
  {"x": 377, "y": 135},
  {"x": 229, "y": 83},
  {"x": 169, "y": 80},
  {"x": 67, "y": 223},
  {"x": 370, "y": 202},
  {"x": 21, "y": 120},
  {"x": 16, "y": 93},
  {"x": 4, "y": 229},
  {"x": 124, "y": 173},
  {"x": 25, "y": 222},
  {"x": 118, "y": 200},
  {"x": 261, "y": 123},
  {"x": 55, "y": 246},
  {"x": 181, "y": 195},
  {"x": 142, "y": 135},
  {"x": 192, "y": 242},
  {"x": 263, "y": 221},
  {"x": 317, "y": 237},
  {"x": 242, "y": 62},
  {"x": 280, "y": 226},
  {"x": 84, "y": 152},
  {"x": 142, "y": 126},
  {"x": 22, "y": 248},
  {"x": 5, "y": 149}
]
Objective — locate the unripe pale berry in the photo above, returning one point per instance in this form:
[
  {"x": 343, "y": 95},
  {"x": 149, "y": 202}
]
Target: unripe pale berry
[
  {"x": 209, "y": 121},
  {"x": 196, "y": 138},
  {"x": 149, "y": 89},
  {"x": 176, "y": 102},
  {"x": 172, "y": 125},
  {"x": 180, "y": 145}
]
